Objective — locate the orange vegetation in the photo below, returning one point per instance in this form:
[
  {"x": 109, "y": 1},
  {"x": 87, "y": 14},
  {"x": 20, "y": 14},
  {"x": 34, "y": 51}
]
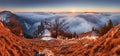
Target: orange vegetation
[
  {"x": 107, "y": 45},
  {"x": 12, "y": 45}
]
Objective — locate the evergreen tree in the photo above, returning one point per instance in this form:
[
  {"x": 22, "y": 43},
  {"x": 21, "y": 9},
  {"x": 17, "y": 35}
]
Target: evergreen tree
[
  {"x": 104, "y": 29},
  {"x": 110, "y": 24}
]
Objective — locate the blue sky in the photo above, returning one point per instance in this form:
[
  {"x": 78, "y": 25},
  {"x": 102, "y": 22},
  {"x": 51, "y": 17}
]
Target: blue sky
[{"x": 60, "y": 5}]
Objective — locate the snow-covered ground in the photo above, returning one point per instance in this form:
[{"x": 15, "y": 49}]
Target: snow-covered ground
[{"x": 47, "y": 38}]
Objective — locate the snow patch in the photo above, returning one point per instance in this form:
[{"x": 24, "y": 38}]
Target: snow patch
[{"x": 48, "y": 38}]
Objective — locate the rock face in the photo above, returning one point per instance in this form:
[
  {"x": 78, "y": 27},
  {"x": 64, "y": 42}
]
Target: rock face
[
  {"x": 45, "y": 52},
  {"x": 10, "y": 21}
]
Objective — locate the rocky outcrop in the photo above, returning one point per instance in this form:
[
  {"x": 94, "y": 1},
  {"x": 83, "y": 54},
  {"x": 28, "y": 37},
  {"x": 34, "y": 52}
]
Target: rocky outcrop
[{"x": 45, "y": 52}]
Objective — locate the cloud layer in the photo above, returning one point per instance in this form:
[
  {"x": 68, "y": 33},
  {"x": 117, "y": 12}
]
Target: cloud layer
[{"x": 79, "y": 22}]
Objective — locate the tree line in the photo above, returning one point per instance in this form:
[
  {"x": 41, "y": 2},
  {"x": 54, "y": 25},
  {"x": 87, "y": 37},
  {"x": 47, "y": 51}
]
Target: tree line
[
  {"x": 104, "y": 29},
  {"x": 59, "y": 27}
]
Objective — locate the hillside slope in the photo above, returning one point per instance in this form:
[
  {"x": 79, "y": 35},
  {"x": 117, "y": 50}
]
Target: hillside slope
[
  {"x": 107, "y": 45},
  {"x": 10, "y": 21},
  {"x": 12, "y": 45}
]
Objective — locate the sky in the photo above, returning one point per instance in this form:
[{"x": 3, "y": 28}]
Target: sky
[{"x": 60, "y": 5}]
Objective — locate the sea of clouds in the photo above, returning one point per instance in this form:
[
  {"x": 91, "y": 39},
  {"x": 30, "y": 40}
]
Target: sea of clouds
[{"x": 78, "y": 22}]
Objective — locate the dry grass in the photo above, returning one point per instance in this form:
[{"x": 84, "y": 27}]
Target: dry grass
[{"x": 107, "y": 45}]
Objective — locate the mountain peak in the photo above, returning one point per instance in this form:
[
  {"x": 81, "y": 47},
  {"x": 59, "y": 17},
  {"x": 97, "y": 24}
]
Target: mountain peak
[{"x": 6, "y": 12}]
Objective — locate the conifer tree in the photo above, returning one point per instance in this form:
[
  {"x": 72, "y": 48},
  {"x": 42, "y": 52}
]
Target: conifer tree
[{"x": 104, "y": 29}]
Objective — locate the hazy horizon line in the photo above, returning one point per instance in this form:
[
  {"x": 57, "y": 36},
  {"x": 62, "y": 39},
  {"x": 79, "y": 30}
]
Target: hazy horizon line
[{"x": 57, "y": 12}]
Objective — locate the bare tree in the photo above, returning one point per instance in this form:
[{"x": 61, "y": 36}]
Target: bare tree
[
  {"x": 40, "y": 31},
  {"x": 57, "y": 27}
]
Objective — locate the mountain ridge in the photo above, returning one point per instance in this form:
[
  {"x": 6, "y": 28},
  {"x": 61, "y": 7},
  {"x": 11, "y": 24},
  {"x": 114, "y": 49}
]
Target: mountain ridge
[{"x": 9, "y": 19}]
